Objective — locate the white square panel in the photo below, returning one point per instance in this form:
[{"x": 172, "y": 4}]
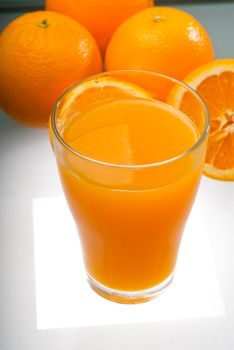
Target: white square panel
[{"x": 64, "y": 299}]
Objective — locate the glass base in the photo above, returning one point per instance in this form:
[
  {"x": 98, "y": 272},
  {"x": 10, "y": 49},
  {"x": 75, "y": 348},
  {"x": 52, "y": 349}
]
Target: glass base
[{"x": 129, "y": 297}]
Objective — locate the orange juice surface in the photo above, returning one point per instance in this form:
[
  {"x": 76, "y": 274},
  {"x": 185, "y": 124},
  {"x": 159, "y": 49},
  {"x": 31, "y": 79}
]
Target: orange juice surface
[{"x": 130, "y": 218}]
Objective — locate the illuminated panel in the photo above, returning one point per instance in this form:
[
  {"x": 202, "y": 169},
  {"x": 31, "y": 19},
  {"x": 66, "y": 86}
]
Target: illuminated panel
[{"x": 64, "y": 299}]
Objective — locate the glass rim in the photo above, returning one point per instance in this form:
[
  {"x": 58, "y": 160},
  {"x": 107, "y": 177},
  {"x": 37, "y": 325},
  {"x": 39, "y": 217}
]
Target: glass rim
[{"x": 132, "y": 166}]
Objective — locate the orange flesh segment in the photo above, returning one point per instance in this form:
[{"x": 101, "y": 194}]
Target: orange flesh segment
[
  {"x": 217, "y": 92},
  {"x": 99, "y": 90}
]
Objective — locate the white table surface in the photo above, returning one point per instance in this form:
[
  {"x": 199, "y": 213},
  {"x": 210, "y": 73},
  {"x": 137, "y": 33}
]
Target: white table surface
[{"x": 28, "y": 174}]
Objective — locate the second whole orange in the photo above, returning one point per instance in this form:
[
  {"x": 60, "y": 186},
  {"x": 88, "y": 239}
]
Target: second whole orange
[
  {"x": 100, "y": 17},
  {"x": 161, "y": 39}
]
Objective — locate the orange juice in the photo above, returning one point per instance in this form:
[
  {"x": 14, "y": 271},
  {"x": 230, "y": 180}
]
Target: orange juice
[{"x": 129, "y": 200}]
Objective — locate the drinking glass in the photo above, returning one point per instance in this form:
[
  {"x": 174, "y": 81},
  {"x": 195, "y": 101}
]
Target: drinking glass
[{"x": 130, "y": 217}]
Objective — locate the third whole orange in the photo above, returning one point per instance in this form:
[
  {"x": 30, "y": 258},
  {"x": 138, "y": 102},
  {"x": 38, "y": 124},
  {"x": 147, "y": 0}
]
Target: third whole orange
[{"x": 161, "y": 39}]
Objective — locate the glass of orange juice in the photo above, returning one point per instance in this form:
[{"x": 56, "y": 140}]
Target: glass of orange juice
[{"x": 130, "y": 147}]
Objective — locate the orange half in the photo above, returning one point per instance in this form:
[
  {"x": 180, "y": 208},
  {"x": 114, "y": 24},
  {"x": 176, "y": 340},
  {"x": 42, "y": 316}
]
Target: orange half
[{"x": 214, "y": 82}]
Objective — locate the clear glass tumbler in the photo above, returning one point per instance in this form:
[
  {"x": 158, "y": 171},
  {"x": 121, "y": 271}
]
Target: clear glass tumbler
[{"x": 130, "y": 217}]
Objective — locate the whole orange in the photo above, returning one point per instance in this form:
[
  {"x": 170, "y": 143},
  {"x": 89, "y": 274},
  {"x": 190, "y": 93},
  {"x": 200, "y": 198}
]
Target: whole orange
[
  {"x": 41, "y": 54},
  {"x": 100, "y": 17},
  {"x": 162, "y": 39}
]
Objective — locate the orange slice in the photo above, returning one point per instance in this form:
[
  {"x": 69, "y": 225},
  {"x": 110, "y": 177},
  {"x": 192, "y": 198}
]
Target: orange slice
[
  {"x": 92, "y": 92},
  {"x": 214, "y": 82}
]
